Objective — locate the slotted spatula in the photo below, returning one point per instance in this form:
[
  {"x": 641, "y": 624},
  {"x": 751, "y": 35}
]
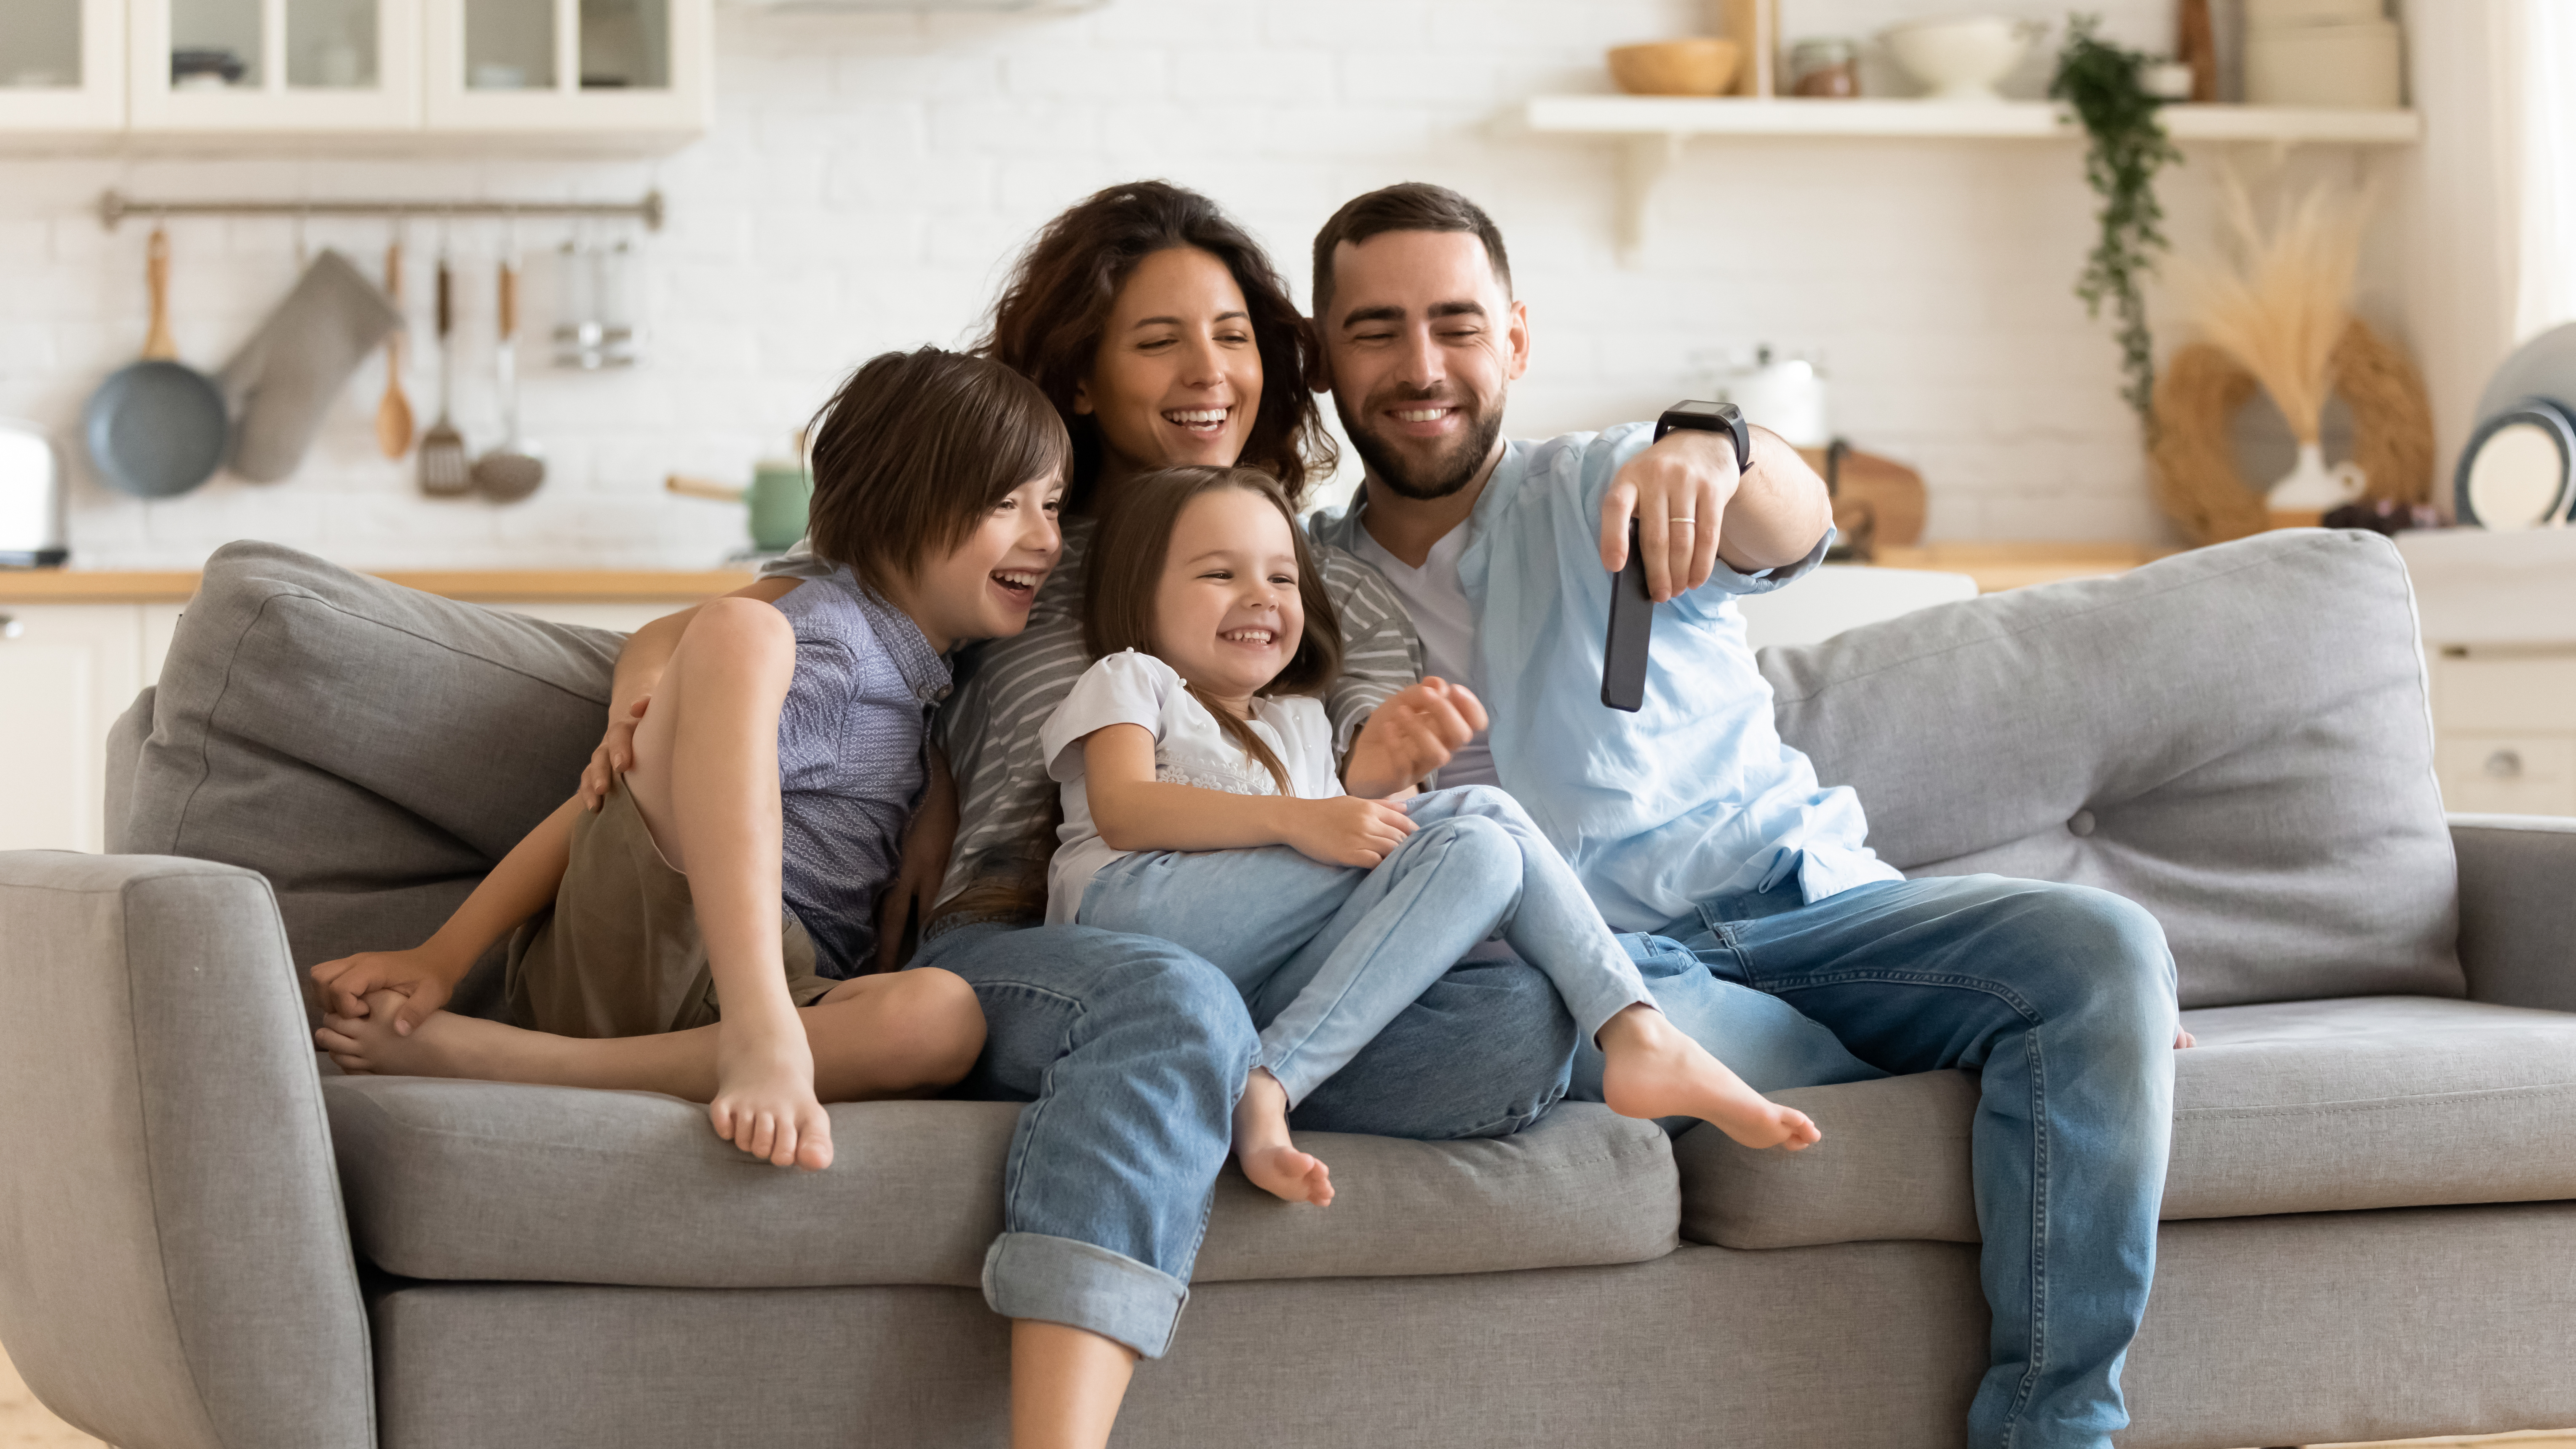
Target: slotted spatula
[{"x": 445, "y": 470}]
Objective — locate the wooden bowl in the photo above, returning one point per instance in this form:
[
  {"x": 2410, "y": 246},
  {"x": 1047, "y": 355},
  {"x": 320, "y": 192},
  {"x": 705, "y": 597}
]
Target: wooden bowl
[{"x": 1695, "y": 67}]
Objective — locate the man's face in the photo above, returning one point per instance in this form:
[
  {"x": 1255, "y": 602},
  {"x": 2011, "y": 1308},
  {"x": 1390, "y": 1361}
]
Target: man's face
[{"x": 1420, "y": 348}]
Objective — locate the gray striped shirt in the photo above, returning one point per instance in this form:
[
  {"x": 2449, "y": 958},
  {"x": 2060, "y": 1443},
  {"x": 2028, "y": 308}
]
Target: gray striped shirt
[{"x": 1007, "y": 688}]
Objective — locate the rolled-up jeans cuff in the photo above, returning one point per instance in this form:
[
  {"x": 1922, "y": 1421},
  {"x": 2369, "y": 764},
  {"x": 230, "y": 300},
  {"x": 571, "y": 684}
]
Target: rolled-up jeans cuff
[{"x": 1066, "y": 1280}]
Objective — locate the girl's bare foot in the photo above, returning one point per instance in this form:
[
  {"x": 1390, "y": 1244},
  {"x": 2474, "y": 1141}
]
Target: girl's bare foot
[
  {"x": 1261, "y": 1144},
  {"x": 764, "y": 1102},
  {"x": 1651, "y": 1069}
]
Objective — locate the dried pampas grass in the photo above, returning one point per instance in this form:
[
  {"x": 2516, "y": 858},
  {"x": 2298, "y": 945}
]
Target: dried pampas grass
[
  {"x": 2279, "y": 306},
  {"x": 2199, "y": 391}
]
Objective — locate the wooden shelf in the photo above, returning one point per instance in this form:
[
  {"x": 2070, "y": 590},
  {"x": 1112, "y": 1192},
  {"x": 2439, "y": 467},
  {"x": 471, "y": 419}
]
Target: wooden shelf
[
  {"x": 1685, "y": 116},
  {"x": 1652, "y": 129},
  {"x": 510, "y": 586}
]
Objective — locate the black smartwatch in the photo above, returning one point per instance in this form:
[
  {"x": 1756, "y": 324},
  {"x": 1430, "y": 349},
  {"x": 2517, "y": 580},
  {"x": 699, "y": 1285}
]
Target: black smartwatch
[{"x": 1712, "y": 417}]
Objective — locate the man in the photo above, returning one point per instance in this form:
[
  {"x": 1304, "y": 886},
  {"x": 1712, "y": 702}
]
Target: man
[{"x": 1691, "y": 820}]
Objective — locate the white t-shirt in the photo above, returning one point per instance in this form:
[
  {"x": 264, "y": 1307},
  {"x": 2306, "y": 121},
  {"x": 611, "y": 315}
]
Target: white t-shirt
[
  {"x": 1437, "y": 601},
  {"x": 1190, "y": 748}
]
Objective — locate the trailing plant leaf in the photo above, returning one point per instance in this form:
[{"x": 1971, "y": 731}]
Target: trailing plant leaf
[{"x": 2099, "y": 79}]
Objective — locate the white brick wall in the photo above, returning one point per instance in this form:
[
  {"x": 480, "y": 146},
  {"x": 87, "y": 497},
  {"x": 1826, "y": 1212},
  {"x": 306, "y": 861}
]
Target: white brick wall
[{"x": 870, "y": 176}]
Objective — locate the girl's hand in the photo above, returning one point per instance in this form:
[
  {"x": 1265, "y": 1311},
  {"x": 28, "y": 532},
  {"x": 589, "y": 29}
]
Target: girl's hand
[
  {"x": 924, "y": 868},
  {"x": 424, "y": 977},
  {"x": 1346, "y": 830},
  {"x": 614, "y": 757},
  {"x": 1410, "y": 736}
]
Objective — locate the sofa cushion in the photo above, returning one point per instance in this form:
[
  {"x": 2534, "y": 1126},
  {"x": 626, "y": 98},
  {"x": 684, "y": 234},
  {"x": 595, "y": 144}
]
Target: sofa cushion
[
  {"x": 2292, "y": 1107},
  {"x": 371, "y": 749},
  {"x": 2236, "y": 738},
  {"x": 485, "y": 1180}
]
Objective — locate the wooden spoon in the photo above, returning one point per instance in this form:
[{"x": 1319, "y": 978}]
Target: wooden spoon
[{"x": 393, "y": 414}]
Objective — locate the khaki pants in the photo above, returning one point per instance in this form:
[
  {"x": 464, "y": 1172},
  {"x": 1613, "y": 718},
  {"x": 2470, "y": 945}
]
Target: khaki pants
[{"x": 619, "y": 953}]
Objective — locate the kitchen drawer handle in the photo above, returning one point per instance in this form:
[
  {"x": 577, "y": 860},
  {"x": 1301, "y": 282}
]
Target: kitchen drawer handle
[
  {"x": 10, "y": 628},
  {"x": 2505, "y": 764}
]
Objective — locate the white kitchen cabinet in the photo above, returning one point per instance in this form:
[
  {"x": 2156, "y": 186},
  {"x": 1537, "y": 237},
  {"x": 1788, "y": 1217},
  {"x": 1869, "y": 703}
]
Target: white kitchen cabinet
[
  {"x": 62, "y": 66},
  {"x": 570, "y": 67},
  {"x": 66, "y": 672},
  {"x": 2504, "y": 726},
  {"x": 203, "y": 67}
]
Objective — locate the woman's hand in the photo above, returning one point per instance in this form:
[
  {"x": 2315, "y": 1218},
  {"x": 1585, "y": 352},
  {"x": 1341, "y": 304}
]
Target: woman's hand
[
  {"x": 924, "y": 869},
  {"x": 1410, "y": 736},
  {"x": 425, "y": 978},
  {"x": 1346, "y": 830},
  {"x": 614, "y": 757}
]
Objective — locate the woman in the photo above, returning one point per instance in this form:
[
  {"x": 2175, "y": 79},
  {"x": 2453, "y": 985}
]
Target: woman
[{"x": 1164, "y": 336}]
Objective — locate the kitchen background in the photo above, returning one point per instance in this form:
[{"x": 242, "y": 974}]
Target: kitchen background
[{"x": 869, "y": 177}]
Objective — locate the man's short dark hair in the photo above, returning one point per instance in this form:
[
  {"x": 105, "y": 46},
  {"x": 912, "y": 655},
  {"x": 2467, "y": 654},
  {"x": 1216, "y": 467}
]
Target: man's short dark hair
[
  {"x": 1405, "y": 206},
  {"x": 916, "y": 449}
]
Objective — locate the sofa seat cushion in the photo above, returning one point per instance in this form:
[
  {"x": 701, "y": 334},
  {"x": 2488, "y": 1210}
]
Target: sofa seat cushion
[
  {"x": 2288, "y": 1107},
  {"x": 486, "y": 1180}
]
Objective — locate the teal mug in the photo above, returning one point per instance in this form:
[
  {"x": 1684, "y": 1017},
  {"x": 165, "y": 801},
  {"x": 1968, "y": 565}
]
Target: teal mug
[{"x": 778, "y": 497}]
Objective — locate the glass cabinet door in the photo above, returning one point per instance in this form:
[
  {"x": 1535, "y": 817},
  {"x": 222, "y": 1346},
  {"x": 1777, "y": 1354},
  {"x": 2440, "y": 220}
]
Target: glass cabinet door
[
  {"x": 570, "y": 66},
  {"x": 62, "y": 65},
  {"x": 276, "y": 65}
]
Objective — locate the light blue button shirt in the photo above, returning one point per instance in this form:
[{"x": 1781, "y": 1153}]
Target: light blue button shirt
[{"x": 1691, "y": 796}]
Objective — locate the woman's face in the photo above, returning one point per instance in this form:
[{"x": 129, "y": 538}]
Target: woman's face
[
  {"x": 1227, "y": 615},
  {"x": 1177, "y": 379}
]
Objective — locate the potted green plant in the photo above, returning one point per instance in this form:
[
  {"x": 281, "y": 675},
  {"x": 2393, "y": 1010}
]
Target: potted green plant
[{"x": 2105, "y": 85}]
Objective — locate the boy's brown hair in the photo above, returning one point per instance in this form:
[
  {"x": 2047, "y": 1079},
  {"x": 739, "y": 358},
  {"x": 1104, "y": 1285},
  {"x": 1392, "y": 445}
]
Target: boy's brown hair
[
  {"x": 1125, "y": 569},
  {"x": 915, "y": 449}
]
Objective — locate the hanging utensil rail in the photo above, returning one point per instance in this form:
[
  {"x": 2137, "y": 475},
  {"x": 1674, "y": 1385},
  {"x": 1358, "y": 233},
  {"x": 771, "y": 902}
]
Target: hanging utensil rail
[{"x": 116, "y": 206}]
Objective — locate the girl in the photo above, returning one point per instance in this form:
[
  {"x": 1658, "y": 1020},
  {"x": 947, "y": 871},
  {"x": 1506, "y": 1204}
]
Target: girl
[
  {"x": 712, "y": 930},
  {"x": 1200, "y": 805}
]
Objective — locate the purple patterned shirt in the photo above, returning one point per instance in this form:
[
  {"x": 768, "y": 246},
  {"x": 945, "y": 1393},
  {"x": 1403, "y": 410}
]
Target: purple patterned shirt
[{"x": 851, "y": 764}]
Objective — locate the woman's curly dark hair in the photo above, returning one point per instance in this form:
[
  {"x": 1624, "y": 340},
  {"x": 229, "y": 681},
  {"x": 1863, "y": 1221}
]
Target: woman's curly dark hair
[{"x": 1050, "y": 319}]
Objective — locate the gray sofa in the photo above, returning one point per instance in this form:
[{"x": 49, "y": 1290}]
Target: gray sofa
[{"x": 2371, "y": 1223}]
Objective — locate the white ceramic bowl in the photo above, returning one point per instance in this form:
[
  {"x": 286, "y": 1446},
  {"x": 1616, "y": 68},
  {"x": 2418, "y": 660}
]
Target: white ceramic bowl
[{"x": 1960, "y": 60}]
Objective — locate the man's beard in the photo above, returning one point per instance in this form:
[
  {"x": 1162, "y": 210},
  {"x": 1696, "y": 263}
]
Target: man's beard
[{"x": 1438, "y": 477}]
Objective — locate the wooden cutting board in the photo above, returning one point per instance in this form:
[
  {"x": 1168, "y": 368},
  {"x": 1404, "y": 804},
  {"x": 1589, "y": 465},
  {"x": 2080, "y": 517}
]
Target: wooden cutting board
[{"x": 1874, "y": 496}]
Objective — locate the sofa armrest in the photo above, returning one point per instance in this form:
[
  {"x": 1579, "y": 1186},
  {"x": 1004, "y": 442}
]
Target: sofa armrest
[
  {"x": 2518, "y": 908},
  {"x": 177, "y": 1269}
]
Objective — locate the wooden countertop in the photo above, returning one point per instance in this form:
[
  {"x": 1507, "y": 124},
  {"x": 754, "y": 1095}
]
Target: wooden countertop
[
  {"x": 2000, "y": 566},
  {"x": 1994, "y": 566},
  {"x": 486, "y": 586}
]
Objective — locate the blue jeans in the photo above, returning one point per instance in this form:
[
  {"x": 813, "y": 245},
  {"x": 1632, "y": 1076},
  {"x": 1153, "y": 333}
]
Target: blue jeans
[
  {"x": 1131, "y": 1052},
  {"x": 1327, "y": 955},
  {"x": 2062, "y": 999}
]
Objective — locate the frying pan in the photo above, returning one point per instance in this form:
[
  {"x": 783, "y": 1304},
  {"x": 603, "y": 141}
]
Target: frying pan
[{"x": 156, "y": 428}]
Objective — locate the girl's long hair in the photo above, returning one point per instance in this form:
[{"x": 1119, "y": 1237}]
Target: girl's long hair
[
  {"x": 1125, "y": 571},
  {"x": 1048, "y": 324}
]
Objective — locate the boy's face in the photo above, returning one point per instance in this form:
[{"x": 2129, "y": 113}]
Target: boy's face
[
  {"x": 983, "y": 589},
  {"x": 1227, "y": 615}
]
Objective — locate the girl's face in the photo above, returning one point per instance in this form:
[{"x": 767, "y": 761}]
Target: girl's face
[
  {"x": 983, "y": 589},
  {"x": 1177, "y": 379},
  {"x": 1226, "y": 613}
]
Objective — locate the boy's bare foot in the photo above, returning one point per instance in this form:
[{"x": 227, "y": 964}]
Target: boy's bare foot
[
  {"x": 764, "y": 1102},
  {"x": 442, "y": 1045},
  {"x": 1261, "y": 1144},
  {"x": 2183, "y": 1040},
  {"x": 1651, "y": 1069}
]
